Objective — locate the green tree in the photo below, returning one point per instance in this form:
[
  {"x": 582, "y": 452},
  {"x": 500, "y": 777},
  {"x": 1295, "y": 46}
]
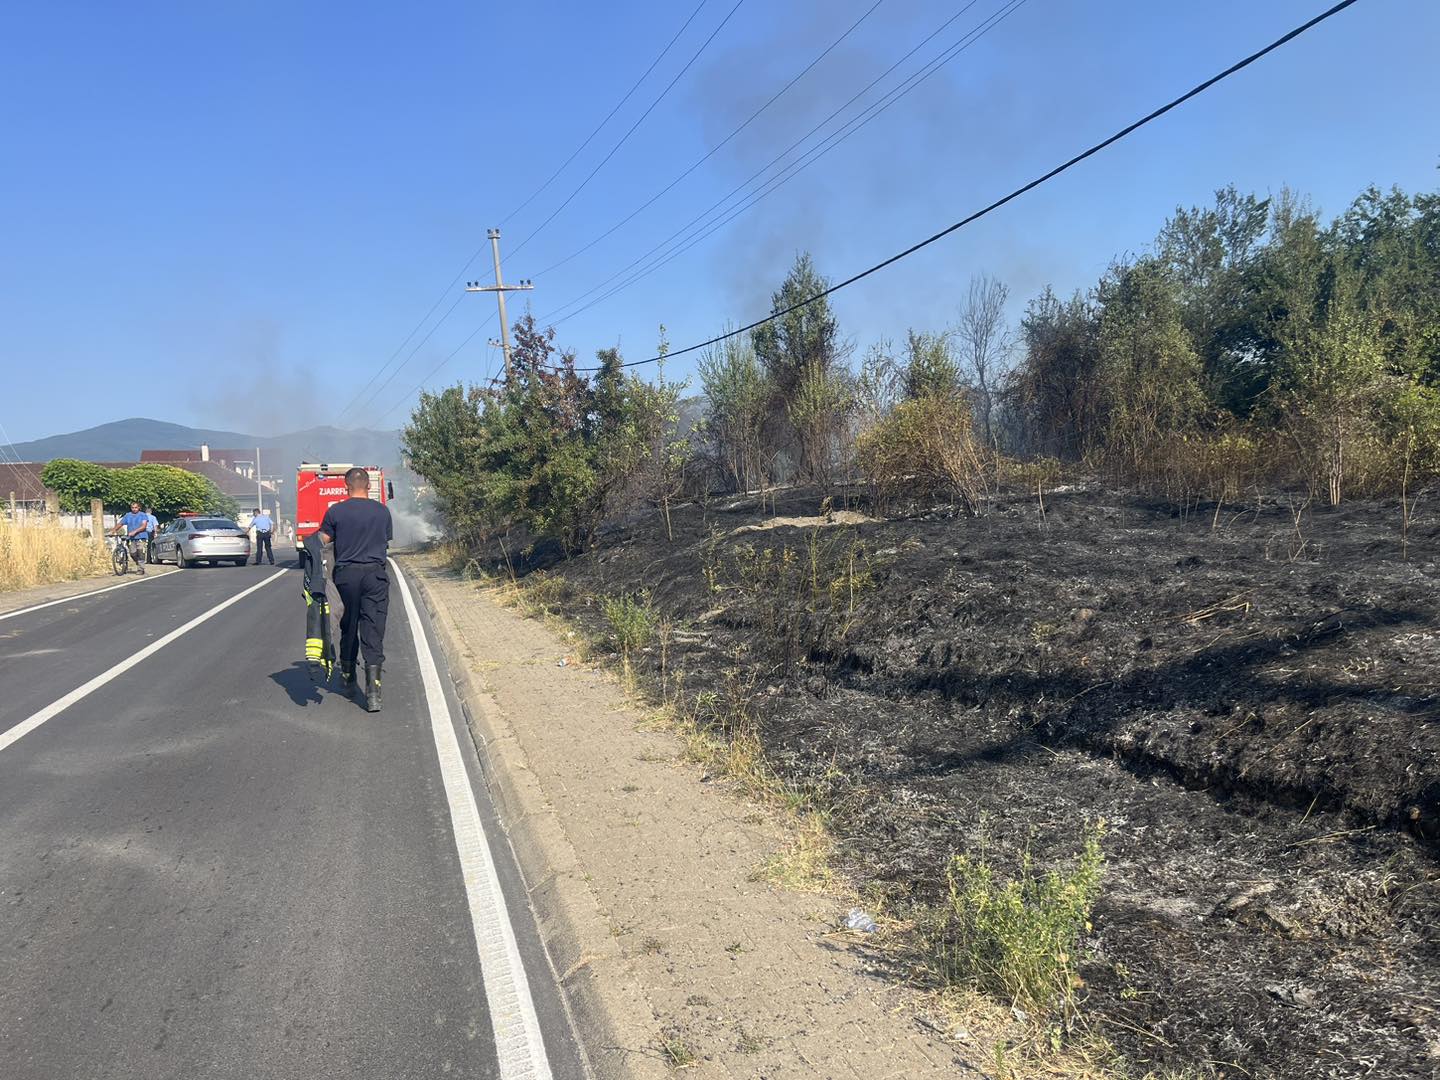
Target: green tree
[
  {"x": 1392, "y": 242},
  {"x": 76, "y": 482},
  {"x": 1211, "y": 255},
  {"x": 931, "y": 369},
  {"x": 790, "y": 346},
  {"x": 737, "y": 395},
  {"x": 666, "y": 448},
  {"x": 440, "y": 441},
  {"x": 1056, "y": 391},
  {"x": 1150, "y": 375},
  {"x": 800, "y": 349},
  {"x": 167, "y": 490},
  {"x": 1330, "y": 375},
  {"x": 818, "y": 409}
]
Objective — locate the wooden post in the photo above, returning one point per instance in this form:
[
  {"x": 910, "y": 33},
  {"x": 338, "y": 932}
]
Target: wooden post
[
  {"x": 52, "y": 503},
  {"x": 14, "y": 518},
  {"x": 97, "y": 521}
]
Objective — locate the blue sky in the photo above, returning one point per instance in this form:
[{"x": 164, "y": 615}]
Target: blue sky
[{"x": 231, "y": 214}]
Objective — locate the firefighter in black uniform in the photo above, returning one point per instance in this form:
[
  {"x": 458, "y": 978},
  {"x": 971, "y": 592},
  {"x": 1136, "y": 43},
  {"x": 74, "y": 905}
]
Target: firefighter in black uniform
[{"x": 361, "y": 531}]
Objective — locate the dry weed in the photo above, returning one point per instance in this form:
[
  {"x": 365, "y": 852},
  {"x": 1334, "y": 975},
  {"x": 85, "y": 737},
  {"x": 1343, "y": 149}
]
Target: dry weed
[{"x": 44, "y": 554}]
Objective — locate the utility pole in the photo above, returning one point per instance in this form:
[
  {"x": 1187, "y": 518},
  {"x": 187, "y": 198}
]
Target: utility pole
[{"x": 500, "y": 289}]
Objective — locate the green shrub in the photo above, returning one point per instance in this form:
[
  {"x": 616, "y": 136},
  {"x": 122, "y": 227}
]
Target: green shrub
[
  {"x": 632, "y": 621},
  {"x": 1016, "y": 939}
]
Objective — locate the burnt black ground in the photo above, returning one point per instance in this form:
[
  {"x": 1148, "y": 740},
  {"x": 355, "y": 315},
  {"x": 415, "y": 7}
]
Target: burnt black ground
[{"x": 1249, "y": 698}]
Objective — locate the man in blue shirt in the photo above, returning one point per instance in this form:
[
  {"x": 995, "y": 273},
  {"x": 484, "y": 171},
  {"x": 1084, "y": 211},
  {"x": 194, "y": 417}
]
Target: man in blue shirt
[
  {"x": 136, "y": 526},
  {"x": 154, "y": 531},
  {"x": 264, "y": 528}
]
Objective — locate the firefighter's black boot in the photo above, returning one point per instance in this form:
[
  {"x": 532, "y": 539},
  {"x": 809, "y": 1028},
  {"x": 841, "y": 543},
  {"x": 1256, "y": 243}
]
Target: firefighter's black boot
[
  {"x": 372, "y": 687},
  {"x": 347, "y": 675}
]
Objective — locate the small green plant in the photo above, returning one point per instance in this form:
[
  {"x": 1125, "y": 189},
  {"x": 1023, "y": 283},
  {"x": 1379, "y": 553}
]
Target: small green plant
[
  {"x": 676, "y": 1052},
  {"x": 1016, "y": 939},
  {"x": 632, "y": 621},
  {"x": 746, "y": 1043}
]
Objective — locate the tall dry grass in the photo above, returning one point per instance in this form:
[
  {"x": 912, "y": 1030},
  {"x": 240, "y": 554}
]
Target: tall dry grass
[{"x": 41, "y": 554}]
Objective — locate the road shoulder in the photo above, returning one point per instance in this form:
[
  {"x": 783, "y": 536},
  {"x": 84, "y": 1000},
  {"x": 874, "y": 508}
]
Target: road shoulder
[
  {"x": 641, "y": 877},
  {"x": 19, "y": 599}
]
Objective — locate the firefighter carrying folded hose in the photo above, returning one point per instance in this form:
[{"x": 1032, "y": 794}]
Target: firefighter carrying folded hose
[{"x": 361, "y": 531}]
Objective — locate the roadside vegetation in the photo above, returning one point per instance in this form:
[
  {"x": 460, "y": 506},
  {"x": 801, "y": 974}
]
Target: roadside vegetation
[
  {"x": 1162, "y": 554},
  {"x": 44, "y": 554},
  {"x": 164, "y": 488},
  {"x": 37, "y": 552}
]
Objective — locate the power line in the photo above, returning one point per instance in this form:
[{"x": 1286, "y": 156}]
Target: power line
[
  {"x": 399, "y": 348},
  {"x": 778, "y": 157},
  {"x": 436, "y": 369},
  {"x": 418, "y": 346},
  {"x": 718, "y": 146},
  {"x": 789, "y": 172},
  {"x": 608, "y": 116},
  {"x": 977, "y": 215},
  {"x": 476, "y": 254},
  {"x": 624, "y": 138},
  {"x": 13, "y": 457}
]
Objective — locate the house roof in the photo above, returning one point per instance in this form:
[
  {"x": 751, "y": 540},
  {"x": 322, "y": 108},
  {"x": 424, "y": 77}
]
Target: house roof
[
  {"x": 23, "y": 478},
  {"x": 226, "y": 479},
  {"x": 178, "y": 457}
]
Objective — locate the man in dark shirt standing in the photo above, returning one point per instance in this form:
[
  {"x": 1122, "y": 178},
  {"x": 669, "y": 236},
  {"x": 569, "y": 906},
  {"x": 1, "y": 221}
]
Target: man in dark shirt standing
[{"x": 361, "y": 530}]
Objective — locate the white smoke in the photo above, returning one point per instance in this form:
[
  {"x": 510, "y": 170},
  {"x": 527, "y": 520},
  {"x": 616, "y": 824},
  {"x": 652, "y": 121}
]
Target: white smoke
[{"x": 411, "y": 528}]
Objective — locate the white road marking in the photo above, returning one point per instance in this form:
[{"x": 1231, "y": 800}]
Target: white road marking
[
  {"x": 30, "y": 723},
  {"x": 518, "y": 1042},
  {"x": 136, "y": 580}
]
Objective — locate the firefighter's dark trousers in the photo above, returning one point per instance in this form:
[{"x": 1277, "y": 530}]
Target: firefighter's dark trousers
[{"x": 364, "y": 589}]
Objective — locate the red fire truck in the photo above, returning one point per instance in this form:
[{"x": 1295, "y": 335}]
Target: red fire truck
[{"x": 318, "y": 487}]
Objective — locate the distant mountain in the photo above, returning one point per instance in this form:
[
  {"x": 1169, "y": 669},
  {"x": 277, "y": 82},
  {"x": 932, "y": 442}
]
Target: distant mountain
[{"x": 123, "y": 440}]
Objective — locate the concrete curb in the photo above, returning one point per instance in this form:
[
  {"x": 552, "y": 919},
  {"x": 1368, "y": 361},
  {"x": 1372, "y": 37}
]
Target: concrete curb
[{"x": 613, "y": 1018}]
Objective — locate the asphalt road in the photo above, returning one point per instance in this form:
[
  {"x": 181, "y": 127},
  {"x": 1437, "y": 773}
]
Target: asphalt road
[{"x": 209, "y": 867}]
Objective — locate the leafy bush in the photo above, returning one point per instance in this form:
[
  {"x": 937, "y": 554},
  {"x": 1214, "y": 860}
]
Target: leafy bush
[
  {"x": 925, "y": 451},
  {"x": 931, "y": 369},
  {"x": 551, "y": 450},
  {"x": 632, "y": 621},
  {"x": 1016, "y": 939}
]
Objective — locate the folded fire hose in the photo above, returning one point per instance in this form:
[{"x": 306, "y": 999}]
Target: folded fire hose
[{"x": 319, "y": 647}]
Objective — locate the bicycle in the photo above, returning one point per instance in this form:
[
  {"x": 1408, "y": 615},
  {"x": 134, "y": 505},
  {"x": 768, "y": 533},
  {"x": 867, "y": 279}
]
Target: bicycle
[{"x": 121, "y": 555}]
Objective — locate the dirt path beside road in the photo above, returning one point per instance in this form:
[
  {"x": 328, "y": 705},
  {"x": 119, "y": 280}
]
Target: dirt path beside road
[{"x": 642, "y": 875}]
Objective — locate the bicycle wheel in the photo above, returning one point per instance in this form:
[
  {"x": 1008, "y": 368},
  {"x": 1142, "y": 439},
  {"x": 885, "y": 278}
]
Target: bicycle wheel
[{"x": 121, "y": 560}]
